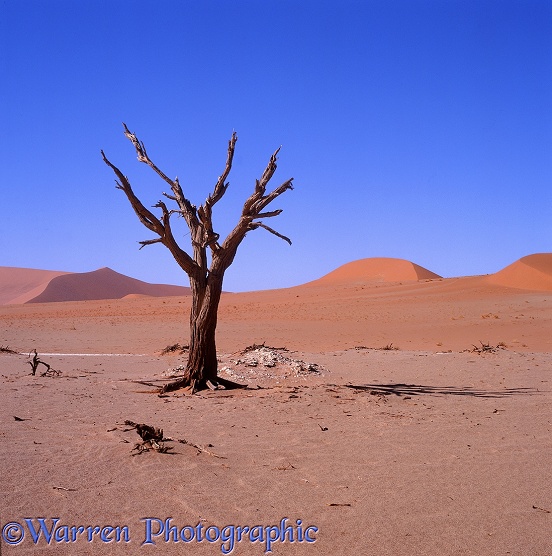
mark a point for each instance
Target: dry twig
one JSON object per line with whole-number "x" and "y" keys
{"x": 486, "y": 348}
{"x": 173, "y": 348}
{"x": 153, "y": 438}
{"x": 35, "y": 361}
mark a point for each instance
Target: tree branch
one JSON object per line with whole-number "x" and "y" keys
{"x": 171, "y": 197}
{"x": 205, "y": 211}
{"x": 188, "y": 210}
{"x": 145, "y": 216}
{"x": 260, "y": 185}
{"x": 149, "y": 242}
{"x": 252, "y": 208}
{"x": 269, "y": 214}
{"x": 255, "y": 225}
{"x": 264, "y": 201}
{"x": 150, "y": 221}
{"x": 143, "y": 155}
{"x": 269, "y": 170}
{"x": 222, "y": 186}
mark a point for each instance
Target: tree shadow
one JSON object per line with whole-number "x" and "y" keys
{"x": 399, "y": 389}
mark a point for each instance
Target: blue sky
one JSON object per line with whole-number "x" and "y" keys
{"x": 414, "y": 129}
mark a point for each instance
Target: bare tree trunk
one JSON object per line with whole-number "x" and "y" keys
{"x": 202, "y": 368}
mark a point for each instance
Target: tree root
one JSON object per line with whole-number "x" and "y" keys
{"x": 198, "y": 385}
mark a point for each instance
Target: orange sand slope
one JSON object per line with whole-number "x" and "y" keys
{"x": 377, "y": 269}
{"x": 19, "y": 285}
{"x": 533, "y": 272}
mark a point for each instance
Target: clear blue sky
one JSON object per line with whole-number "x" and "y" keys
{"x": 414, "y": 129}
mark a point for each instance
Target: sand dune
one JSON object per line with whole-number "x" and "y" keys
{"x": 24, "y": 285}
{"x": 19, "y": 285}
{"x": 533, "y": 272}
{"x": 377, "y": 269}
{"x": 101, "y": 284}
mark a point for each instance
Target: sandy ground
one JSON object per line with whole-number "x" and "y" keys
{"x": 427, "y": 449}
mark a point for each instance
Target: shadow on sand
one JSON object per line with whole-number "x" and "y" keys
{"x": 419, "y": 389}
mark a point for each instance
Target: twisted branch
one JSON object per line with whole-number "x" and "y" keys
{"x": 150, "y": 221}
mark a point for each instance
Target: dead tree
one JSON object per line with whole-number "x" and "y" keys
{"x": 35, "y": 361}
{"x": 205, "y": 279}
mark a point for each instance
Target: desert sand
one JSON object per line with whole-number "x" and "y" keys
{"x": 401, "y": 433}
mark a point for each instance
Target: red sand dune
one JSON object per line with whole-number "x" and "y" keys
{"x": 23, "y": 285}
{"x": 377, "y": 269}
{"x": 101, "y": 284}
{"x": 19, "y": 285}
{"x": 533, "y": 272}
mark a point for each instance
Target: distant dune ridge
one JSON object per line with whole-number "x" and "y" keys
{"x": 24, "y": 285}
{"x": 533, "y": 272}
{"x": 379, "y": 269}
{"x": 21, "y": 285}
